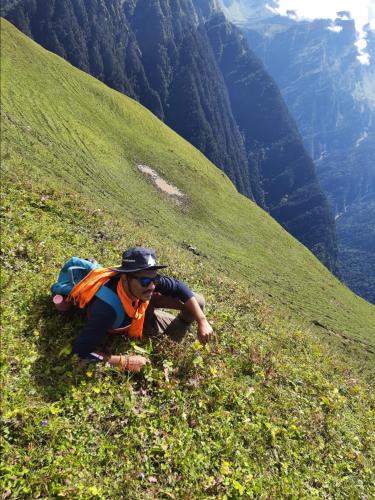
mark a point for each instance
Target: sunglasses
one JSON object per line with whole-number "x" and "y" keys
{"x": 145, "y": 281}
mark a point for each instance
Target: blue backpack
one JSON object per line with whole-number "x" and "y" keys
{"x": 73, "y": 271}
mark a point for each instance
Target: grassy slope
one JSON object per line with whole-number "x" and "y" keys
{"x": 61, "y": 125}
{"x": 273, "y": 409}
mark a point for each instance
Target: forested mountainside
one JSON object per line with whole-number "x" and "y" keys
{"x": 332, "y": 98}
{"x": 276, "y": 155}
{"x": 167, "y": 55}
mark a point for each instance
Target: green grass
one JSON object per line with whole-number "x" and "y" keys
{"x": 276, "y": 407}
{"x": 66, "y": 129}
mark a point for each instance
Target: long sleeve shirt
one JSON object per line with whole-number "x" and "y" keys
{"x": 101, "y": 315}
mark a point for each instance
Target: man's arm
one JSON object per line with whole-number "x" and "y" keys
{"x": 102, "y": 316}
{"x": 191, "y": 308}
{"x": 205, "y": 330}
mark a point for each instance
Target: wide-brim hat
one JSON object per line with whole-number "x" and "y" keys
{"x": 138, "y": 259}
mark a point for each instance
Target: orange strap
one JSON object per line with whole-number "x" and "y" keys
{"x": 136, "y": 311}
{"x": 85, "y": 290}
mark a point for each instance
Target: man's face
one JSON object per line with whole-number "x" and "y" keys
{"x": 134, "y": 281}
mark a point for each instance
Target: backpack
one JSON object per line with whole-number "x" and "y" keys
{"x": 73, "y": 271}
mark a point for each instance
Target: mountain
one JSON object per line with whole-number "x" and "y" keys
{"x": 168, "y": 55}
{"x": 155, "y": 52}
{"x": 280, "y": 402}
{"x": 331, "y": 96}
{"x": 283, "y": 175}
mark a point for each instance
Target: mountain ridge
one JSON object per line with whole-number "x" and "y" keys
{"x": 171, "y": 68}
{"x": 330, "y": 94}
{"x": 289, "y": 189}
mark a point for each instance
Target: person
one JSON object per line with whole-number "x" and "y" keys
{"x": 142, "y": 292}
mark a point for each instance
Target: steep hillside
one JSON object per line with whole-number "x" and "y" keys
{"x": 278, "y": 405}
{"x": 153, "y": 52}
{"x": 283, "y": 175}
{"x": 93, "y": 150}
{"x": 167, "y": 54}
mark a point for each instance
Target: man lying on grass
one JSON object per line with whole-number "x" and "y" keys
{"x": 142, "y": 291}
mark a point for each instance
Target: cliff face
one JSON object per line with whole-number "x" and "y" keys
{"x": 282, "y": 173}
{"x": 332, "y": 98}
{"x": 195, "y": 71}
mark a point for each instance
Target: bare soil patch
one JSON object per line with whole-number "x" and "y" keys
{"x": 161, "y": 183}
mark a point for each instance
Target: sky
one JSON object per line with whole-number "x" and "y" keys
{"x": 362, "y": 11}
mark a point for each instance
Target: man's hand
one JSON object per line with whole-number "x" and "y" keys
{"x": 133, "y": 363}
{"x": 136, "y": 363}
{"x": 205, "y": 331}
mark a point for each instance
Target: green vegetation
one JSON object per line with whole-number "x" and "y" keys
{"x": 193, "y": 69}
{"x": 276, "y": 407}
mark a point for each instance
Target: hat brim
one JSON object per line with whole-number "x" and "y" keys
{"x": 121, "y": 269}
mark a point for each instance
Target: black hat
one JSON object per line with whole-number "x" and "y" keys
{"x": 137, "y": 259}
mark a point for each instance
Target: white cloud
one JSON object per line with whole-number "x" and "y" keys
{"x": 335, "y": 29}
{"x": 361, "y": 44}
{"x": 362, "y": 11}
{"x": 364, "y": 58}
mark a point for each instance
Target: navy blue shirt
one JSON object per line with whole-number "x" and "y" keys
{"x": 102, "y": 315}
